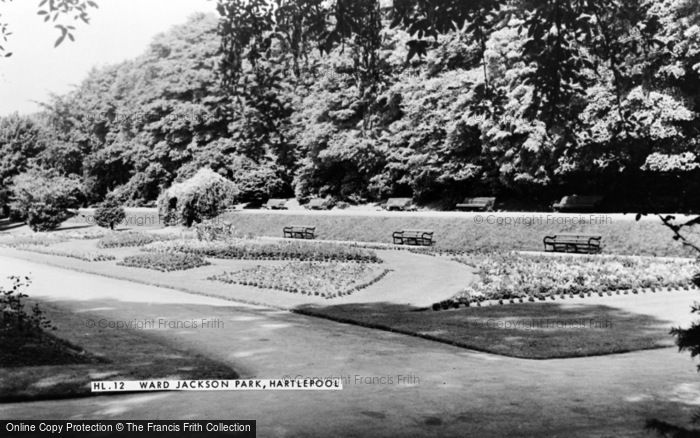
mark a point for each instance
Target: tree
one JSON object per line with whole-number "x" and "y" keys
{"x": 43, "y": 198}
{"x": 204, "y": 196}
{"x": 109, "y": 213}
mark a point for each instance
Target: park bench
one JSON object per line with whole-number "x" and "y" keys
{"x": 299, "y": 232}
{"x": 399, "y": 204}
{"x": 276, "y": 204}
{"x": 574, "y": 243}
{"x": 318, "y": 204}
{"x": 477, "y": 204}
{"x": 577, "y": 203}
{"x": 413, "y": 237}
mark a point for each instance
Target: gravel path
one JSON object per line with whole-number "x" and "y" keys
{"x": 415, "y": 279}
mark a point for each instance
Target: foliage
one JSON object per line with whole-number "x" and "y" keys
{"x": 328, "y": 280}
{"x": 43, "y": 198}
{"x": 267, "y": 250}
{"x": 434, "y": 99}
{"x": 14, "y": 318}
{"x": 62, "y": 14}
{"x": 164, "y": 262}
{"x": 109, "y": 213}
{"x": 204, "y": 196}
{"x": 512, "y": 275}
{"x": 215, "y": 230}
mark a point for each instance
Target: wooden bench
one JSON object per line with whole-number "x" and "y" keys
{"x": 276, "y": 204}
{"x": 299, "y": 232}
{"x": 577, "y": 203}
{"x": 413, "y": 237}
{"x": 317, "y": 204}
{"x": 477, "y": 204}
{"x": 399, "y": 204}
{"x": 574, "y": 243}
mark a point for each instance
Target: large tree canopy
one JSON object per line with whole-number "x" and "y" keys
{"x": 436, "y": 99}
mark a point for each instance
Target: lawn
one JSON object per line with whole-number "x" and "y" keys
{"x": 532, "y": 331}
{"x": 65, "y": 366}
{"x": 491, "y": 231}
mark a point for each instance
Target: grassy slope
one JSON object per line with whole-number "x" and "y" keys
{"x": 592, "y": 330}
{"x": 111, "y": 355}
{"x": 622, "y": 236}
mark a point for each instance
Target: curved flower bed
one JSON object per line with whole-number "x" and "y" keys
{"x": 267, "y": 250}
{"x": 165, "y": 262}
{"x": 329, "y": 280}
{"x": 80, "y": 255}
{"x": 131, "y": 239}
{"x": 515, "y": 276}
{"x": 35, "y": 239}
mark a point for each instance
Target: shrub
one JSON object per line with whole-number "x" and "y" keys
{"x": 214, "y": 229}
{"x": 165, "y": 262}
{"x": 42, "y": 198}
{"x": 13, "y": 315}
{"x": 204, "y": 196}
{"x": 109, "y": 214}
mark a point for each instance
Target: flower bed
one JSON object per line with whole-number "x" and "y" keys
{"x": 267, "y": 250}
{"x": 80, "y": 255}
{"x": 520, "y": 276}
{"x": 329, "y": 280}
{"x": 164, "y": 262}
{"x": 131, "y": 239}
{"x": 39, "y": 239}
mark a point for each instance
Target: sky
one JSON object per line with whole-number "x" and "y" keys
{"x": 118, "y": 30}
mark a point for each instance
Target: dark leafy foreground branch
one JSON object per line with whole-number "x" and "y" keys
{"x": 60, "y": 13}
{"x": 686, "y": 339}
{"x": 668, "y": 221}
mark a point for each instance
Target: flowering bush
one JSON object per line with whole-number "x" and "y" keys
{"x": 165, "y": 262}
{"x": 268, "y": 250}
{"x": 129, "y": 239}
{"x": 512, "y": 275}
{"x": 329, "y": 280}
{"x": 214, "y": 229}
{"x": 80, "y": 255}
{"x": 204, "y": 196}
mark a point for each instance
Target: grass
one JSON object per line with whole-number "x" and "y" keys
{"x": 532, "y": 331}
{"x": 619, "y": 235}
{"x": 164, "y": 262}
{"x": 37, "y": 347}
{"x": 112, "y": 355}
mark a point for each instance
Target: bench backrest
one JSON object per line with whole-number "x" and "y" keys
{"x": 479, "y": 201}
{"x": 399, "y": 202}
{"x": 564, "y": 237}
{"x": 317, "y": 203}
{"x": 276, "y": 202}
{"x": 581, "y": 200}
